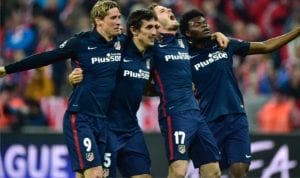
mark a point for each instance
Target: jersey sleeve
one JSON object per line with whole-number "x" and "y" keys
{"x": 64, "y": 51}
{"x": 239, "y": 47}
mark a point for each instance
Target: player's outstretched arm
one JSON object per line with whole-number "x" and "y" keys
{"x": 36, "y": 61}
{"x": 76, "y": 76}
{"x": 63, "y": 52}
{"x": 221, "y": 39}
{"x": 273, "y": 43}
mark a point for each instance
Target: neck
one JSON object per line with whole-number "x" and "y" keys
{"x": 139, "y": 46}
{"x": 201, "y": 43}
{"x": 173, "y": 32}
{"x": 106, "y": 36}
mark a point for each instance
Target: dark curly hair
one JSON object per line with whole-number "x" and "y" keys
{"x": 186, "y": 17}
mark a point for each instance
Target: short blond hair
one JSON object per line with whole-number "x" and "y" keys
{"x": 100, "y": 9}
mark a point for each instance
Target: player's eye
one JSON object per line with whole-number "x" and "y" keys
{"x": 196, "y": 23}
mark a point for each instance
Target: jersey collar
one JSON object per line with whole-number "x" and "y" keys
{"x": 132, "y": 50}
{"x": 99, "y": 37}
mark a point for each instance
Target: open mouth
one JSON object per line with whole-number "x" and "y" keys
{"x": 152, "y": 39}
{"x": 206, "y": 30}
{"x": 172, "y": 17}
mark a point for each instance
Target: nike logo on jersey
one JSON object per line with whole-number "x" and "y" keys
{"x": 125, "y": 60}
{"x": 194, "y": 56}
{"x": 63, "y": 44}
{"x": 162, "y": 46}
{"x": 248, "y": 156}
{"x": 215, "y": 46}
{"x": 91, "y": 48}
{"x": 171, "y": 107}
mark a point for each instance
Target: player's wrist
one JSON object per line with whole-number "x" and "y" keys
{"x": 2, "y": 71}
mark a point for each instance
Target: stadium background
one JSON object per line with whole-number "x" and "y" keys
{"x": 32, "y": 103}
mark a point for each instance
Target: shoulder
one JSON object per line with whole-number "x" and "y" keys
{"x": 80, "y": 37}
{"x": 82, "y": 34}
{"x": 122, "y": 37}
{"x": 238, "y": 46}
{"x": 76, "y": 38}
{"x": 71, "y": 42}
{"x": 236, "y": 41}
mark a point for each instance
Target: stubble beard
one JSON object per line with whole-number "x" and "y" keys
{"x": 174, "y": 27}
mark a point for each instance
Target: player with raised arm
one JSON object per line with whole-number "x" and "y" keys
{"x": 208, "y": 169}
{"x": 127, "y": 149}
{"x": 185, "y": 131}
{"x": 98, "y": 53}
{"x": 220, "y": 99}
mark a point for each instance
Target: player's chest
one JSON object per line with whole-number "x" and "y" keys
{"x": 210, "y": 62}
{"x": 169, "y": 58}
{"x": 95, "y": 54}
{"x": 135, "y": 68}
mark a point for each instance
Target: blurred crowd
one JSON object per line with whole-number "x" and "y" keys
{"x": 38, "y": 97}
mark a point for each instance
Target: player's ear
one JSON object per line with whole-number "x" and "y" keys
{"x": 188, "y": 34}
{"x": 134, "y": 31}
{"x": 98, "y": 21}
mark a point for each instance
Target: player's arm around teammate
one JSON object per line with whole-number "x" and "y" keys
{"x": 185, "y": 133}
{"x": 85, "y": 128}
{"x": 126, "y": 145}
{"x": 195, "y": 27}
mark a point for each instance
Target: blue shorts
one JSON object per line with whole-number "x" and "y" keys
{"x": 187, "y": 136}
{"x": 86, "y": 138}
{"x": 232, "y": 134}
{"x": 127, "y": 152}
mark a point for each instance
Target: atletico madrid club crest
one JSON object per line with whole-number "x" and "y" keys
{"x": 181, "y": 149}
{"x": 148, "y": 63}
{"x": 90, "y": 156}
{"x": 117, "y": 45}
{"x": 105, "y": 172}
{"x": 180, "y": 43}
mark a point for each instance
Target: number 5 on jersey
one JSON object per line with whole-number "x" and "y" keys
{"x": 106, "y": 164}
